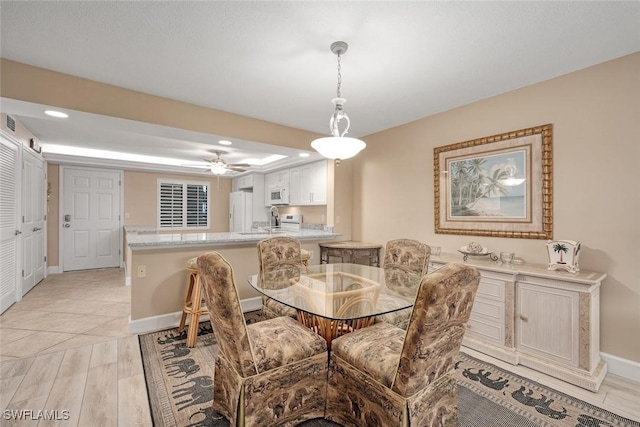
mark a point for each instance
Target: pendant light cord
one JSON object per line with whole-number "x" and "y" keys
{"x": 339, "y": 76}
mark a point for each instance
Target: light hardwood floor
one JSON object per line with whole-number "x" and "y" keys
{"x": 66, "y": 347}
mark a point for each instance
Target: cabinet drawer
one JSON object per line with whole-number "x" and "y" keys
{"x": 491, "y": 289}
{"x": 491, "y": 310}
{"x": 485, "y": 330}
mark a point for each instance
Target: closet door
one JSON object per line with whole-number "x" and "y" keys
{"x": 10, "y": 160}
{"x": 32, "y": 221}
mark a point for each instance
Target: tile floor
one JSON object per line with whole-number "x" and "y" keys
{"x": 65, "y": 311}
{"x": 66, "y": 347}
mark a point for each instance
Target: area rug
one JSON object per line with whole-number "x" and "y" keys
{"x": 180, "y": 387}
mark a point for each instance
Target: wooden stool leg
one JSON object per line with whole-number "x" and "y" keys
{"x": 196, "y": 301}
{"x": 187, "y": 301}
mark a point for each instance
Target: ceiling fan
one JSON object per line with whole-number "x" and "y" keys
{"x": 218, "y": 166}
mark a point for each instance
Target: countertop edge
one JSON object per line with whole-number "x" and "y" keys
{"x": 223, "y": 241}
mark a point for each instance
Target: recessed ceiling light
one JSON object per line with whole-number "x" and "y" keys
{"x": 225, "y": 142}
{"x": 58, "y": 114}
{"x": 303, "y": 154}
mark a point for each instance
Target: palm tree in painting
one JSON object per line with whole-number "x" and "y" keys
{"x": 459, "y": 179}
{"x": 560, "y": 248}
{"x": 476, "y": 176}
{"x": 491, "y": 184}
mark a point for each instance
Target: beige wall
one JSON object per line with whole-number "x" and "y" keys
{"x": 595, "y": 114}
{"x": 53, "y": 215}
{"x": 141, "y": 198}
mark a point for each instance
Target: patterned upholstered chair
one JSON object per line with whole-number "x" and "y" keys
{"x": 280, "y": 260}
{"x": 405, "y": 262}
{"x": 269, "y": 373}
{"x": 384, "y": 376}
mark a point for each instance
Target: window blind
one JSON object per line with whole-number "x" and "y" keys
{"x": 183, "y": 205}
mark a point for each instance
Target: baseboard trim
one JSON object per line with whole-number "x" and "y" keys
{"x": 54, "y": 269}
{"x": 623, "y": 367}
{"x": 171, "y": 320}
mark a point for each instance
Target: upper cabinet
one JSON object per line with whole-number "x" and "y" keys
{"x": 244, "y": 182}
{"x": 309, "y": 184}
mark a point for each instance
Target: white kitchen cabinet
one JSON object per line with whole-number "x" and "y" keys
{"x": 244, "y": 182}
{"x": 295, "y": 190}
{"x": 309, "y": 184}
{"x": 545, "y": 320}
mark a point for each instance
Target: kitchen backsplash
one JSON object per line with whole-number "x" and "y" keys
{"x": 307, "y": 225}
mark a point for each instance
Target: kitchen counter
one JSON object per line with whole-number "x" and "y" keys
{"x": 139, "y": 238}
{"x": 156, "y": 262}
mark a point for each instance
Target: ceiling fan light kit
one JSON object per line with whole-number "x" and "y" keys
{"x": 218, "y": 166}
{"x": 338, "y": 146}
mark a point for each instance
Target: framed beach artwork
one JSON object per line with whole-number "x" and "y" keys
{"x": 498, "y": 186}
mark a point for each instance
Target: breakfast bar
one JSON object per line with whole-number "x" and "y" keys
{"x": 155, "y": 268}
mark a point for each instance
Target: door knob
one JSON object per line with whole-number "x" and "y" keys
{"x": 18, "y": 232}
{"x": 36, "y": 229}
{"x": 67, "y": 225}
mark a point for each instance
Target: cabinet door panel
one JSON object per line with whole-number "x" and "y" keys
{"x": 547, "y": 322}
{"x": 295, "y": 191}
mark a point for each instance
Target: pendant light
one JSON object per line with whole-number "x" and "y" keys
{"x": 338, "y": 146}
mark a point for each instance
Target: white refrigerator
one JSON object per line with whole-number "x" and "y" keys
{"x": 240, "y": 211}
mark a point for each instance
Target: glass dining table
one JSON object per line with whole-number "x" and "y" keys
{"x": 334, "y": 299}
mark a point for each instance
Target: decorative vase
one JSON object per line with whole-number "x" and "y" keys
{"x": 563, "y": 254}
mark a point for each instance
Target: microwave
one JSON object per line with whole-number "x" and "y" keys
{"x": 278, "y": 196}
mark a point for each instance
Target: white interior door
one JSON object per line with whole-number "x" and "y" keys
{"x": 39, "y": 217}
{"x": 90, "y": 219}
{"x": 10, "y": 160}
{"x": 32, "y": 221}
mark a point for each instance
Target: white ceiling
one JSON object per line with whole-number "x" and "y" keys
{"x": 271, "y": 60}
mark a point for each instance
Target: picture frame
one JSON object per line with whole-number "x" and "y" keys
{"x": 496, "y": 186}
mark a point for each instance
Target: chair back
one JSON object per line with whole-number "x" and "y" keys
{"x": 436, "y": 327}
{"x": 407, "y": 254}
{"x": 225, "y": 312}
{"x": 405, "y": 262}
{"x": 279, "y": 260}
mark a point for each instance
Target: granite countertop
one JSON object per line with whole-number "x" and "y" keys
{"x": 141, "y": 237}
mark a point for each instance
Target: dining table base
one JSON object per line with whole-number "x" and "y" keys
{"x": 330, "y": 328}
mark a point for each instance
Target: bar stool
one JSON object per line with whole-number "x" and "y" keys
{"x": 304, "y": 257}
{"x": 193, "y": 305}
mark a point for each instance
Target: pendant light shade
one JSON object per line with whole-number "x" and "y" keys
{"x": 337, "y": 146}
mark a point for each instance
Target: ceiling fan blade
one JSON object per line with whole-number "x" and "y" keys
{"x": 239, "y": 165}
{"x": 236, "y": 169}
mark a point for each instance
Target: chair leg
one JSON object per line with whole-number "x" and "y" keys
{"x": 194, "y": 321}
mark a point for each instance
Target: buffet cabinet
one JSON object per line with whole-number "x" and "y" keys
{"x": 546, "y": 320}
{"x": 350, "y": 252}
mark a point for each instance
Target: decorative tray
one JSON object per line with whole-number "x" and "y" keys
{"x": 484, "y": 252}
